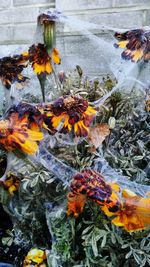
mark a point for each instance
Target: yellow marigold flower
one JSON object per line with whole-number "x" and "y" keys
{"x": 40, "y": 59}
{"x": 136, "y": 44}
{"x": 35, "y": 257}
{"x": 70, "y": 113}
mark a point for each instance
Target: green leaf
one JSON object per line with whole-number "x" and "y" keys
{"x": 128, "y": 254}
{"x": 7, "y": 241}
{"x": 104, "y": 241}
{"x": 94, "y": 246}
{"x": 4, "y": 196}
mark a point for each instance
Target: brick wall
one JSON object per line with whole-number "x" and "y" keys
{"x": 18, "y": 26}
{"x": 115, "y": 13}
{"x": 18, "y": 19}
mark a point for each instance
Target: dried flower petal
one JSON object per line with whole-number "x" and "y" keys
{"x": 98, "y": 134}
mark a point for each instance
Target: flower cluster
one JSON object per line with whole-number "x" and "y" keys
{"x": 69, "y": 113}
{"x": 23, "y": 123}
{"x": 136, "y": 44}
{"x": 127, "y": 209}
{"x": 11, "y": 67}
{"x": 35, "y": 257}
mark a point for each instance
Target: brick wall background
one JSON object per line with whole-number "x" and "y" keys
{"x": 18, "y": 26}
{"x": 18, "y": 19}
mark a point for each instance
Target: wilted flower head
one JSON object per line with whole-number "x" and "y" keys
{"x": 35, "y": 257}
{"x": 136, "y": 44}
{"x": 92, "y": 184}
{"x": 11, "y": 183}
{"x": 31, "y": 112}
{"x": 11, "y": 69}
{"x": 41, "y": 61}
{"x": 49, "y": 16}
{"x": 69, "y": 113}
{"x": 19, "y": 132}
{"x": 61, "y": 76}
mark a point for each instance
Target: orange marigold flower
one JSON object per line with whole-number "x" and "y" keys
{"x": 40, "y": 59}
{"x": 11, "y": 183}
{"x": 70, "y": 113}
{"x": 76, "y": 202}
{"x": 128, "y": 210}
{"x": 18, "y": 132}
{"x": 89, "y": 184}
{"x": 11, "y": 70}
{"x": 35, "y": 257}
{"x": 134, "y": 212}
{"x": 136, "y": 44}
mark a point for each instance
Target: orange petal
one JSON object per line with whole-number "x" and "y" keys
{"x": 55, "y": 56}
{"x": 76, "y": 204}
